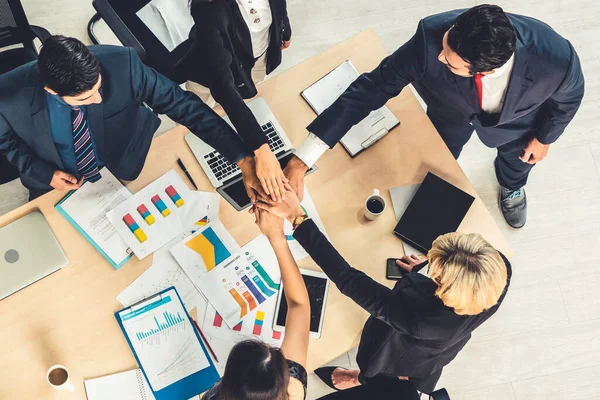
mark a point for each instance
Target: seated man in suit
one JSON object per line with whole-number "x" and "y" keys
{"x": 511, "y": 78}
{"x": 79, "y": 109}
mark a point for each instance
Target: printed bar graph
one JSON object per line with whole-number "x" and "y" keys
{"x": 218, "y": 321}
{"x": 160, "y": 206}
{"x": 134, "y": 228}
{"x": 276, "y": 335}
{"x": 175, "y": 197}
{"x": 238, "y": 327}
{"x": 261, "y": 285}
{"x": 258, "y": 323}
{"x": 243, "y": 307}
{"x": 170, "y": 321}
{"x": 259, "y": 297}
{"x": 263, "y": 274}
{"x": 146, "y": 214}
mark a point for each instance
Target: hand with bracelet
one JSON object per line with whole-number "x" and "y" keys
{"x": 289, "y": 208}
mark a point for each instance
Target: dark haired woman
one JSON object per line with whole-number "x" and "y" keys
{"x": 235, "y": 44}
{"x": 255, "y": 370}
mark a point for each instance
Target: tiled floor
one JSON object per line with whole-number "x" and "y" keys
{"x": 543, "y": 343}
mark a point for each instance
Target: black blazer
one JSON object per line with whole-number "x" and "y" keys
{"x": 410, "y": 332}
{"x": 544, "y": 91}
{"x": 221, "y": 59}
{"x": 122, "y": 126}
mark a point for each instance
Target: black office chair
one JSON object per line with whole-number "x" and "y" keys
{"x": 121, "y": 18}
{"x": 15, "y": 30}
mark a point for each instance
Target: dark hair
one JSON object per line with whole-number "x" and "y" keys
{"x": 484, "y": 37}
{"x": 255, "y": 371}
{"x": 67, "y": 66}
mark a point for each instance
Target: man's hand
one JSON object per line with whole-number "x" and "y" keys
{"x": 407, "y": 263}
{"x": 251, "y": 182}
{"x": 63, "y": 181}
{"x": 295, "y": 171}
{"x": 285, "y": 44}
{"x": 534, "y": 152}
{"x": 268, "y": 171}
{"x": 289, "y": 208}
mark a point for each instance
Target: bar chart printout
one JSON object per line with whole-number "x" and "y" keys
{"x": 164, "y": 340}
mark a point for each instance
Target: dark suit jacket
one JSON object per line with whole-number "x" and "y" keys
{"x": 544, "y": 92}
{"x": 410, "y": 332}
{"x": 378, "y": 388}
{"x": 122, "y": 126}
{"x": 221, "y": 58}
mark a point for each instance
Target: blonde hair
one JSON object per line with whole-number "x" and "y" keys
{"x": 470, "y": 273}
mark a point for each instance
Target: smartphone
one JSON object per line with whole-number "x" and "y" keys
{"x": 393, "y": 271}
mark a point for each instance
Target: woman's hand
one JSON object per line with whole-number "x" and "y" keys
{"x": 268, "y": 171}
{"x": 270, "y": 225}
{"x": 407, "y": 263}
{"x": 251, "y": 183}
{"x": 289, "y": 208}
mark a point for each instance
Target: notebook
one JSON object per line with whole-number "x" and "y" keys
{"x": 129, "y": 385}
{"x": 437, "y": 208}
{"x": 326, "y": 90}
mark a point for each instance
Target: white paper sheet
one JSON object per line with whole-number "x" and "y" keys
{"x": 128, "y": 385}
{"x": 169, "y": 20}
{"x": 88, "y": 206}
{"x": 165, "y": 228}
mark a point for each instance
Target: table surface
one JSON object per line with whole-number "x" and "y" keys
{"x": 67, "y": 318}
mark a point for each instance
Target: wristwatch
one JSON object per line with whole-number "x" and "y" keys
{"x": 298, "y": 220}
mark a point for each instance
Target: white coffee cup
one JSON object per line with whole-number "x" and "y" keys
{"x": 58, "y": 377}
{"x": 375, "y": 205}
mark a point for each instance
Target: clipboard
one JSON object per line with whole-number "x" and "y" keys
{"x": 167, "y": 347}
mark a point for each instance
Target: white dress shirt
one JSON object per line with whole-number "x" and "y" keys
{"x": 494, "y": 90}
{"x": 258, "y": 17}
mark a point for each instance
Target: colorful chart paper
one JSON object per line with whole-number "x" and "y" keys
{"x": 134, "y": 228}
{"x": 158, "y": 217}
{"x": 175, "y": 197}
{"x": 235, "y": 285}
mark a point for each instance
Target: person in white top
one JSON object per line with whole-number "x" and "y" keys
{"x": 510, "y": 78}
{"x": 235, "y": 44}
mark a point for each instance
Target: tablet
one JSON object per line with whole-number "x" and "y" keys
{"x": 317, "y": 285}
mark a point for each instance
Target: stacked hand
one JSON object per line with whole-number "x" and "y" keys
{"x": 269, "y": 173}
{"x": 270, "y": 215}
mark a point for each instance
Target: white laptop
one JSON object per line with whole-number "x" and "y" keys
{"x": 227, "y": 177}
{"x": 328, "y": 89}
{"x": 29, "y": 251}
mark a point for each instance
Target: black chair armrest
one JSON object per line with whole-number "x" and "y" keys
{"x": 40, "y": 32}
{"x": 116, "y": 24}
{"x": 441, "y": 394}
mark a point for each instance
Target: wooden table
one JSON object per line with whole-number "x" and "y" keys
{"x": 67, "y": 318}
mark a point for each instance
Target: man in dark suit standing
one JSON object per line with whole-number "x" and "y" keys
{"x": 511, "y": 78}
{"x": 79, "y": 109}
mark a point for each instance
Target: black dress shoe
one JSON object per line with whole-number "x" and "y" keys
{"x": 513, "y": 204}
{"x": 325, "y": 374}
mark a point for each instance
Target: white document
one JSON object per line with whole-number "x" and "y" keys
{"x": 129, "y": 385}
{"x": 309, "y": 208}
{"x": 169, "y": 20}
{"x": 326, "y": 91}
{"x": 401, "y": 197}
{"x": 172, "y": 206}
{"x": 88, "y": 206}
{"x": 164, "y": 340}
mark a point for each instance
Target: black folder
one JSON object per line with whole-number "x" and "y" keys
{"x": 437, "y": 208}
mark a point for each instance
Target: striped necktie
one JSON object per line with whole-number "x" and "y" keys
{"x": 84, "y": 150}
{"x": 479, "y": 87}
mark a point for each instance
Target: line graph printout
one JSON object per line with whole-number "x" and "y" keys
{"x": 164, "y": 340}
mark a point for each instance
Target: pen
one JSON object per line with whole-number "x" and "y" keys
{"x": 206, "y": 341}
{"x": 185, "y": 171}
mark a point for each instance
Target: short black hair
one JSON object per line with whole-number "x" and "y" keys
{"x": 484, "y": 37}
{"x": 254, "y": 371}
{"x": 67, "y": 66}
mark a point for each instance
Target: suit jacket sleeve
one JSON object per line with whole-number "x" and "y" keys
{"x": 372, "y": 90}
{"x": 563, "y": 104}
{"x": 165, "y": 97}
{"x": 18, "y": 153}
{"x": 378, "y": 300}
{"x": 212, "y": 68}
{"x": 286, "y": 34}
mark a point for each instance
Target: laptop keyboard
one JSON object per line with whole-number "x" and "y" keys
{"x": 223, "y": 169}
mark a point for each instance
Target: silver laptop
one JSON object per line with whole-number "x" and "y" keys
{"x": 29, "y": 251}
{"x": 221, "y": 171}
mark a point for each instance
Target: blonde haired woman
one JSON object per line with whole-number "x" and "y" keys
{"x": 420, "y": 325}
